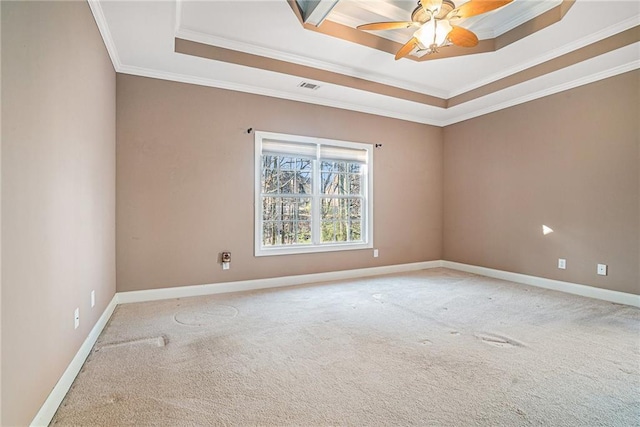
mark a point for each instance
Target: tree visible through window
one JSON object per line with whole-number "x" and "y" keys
{"x": 286, "y": 201}
{"x": 341, "y": 212}
{"x": 313, "y": 194}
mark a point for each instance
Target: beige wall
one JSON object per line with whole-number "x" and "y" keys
{"x": 185, "y": 184}
{"x": 185, "y": 188}
{"x": 570, "y": 161}
{"x": 58, "y": 194}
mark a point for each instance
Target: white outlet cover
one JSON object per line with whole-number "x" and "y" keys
{"x": 93, "y": 298}
{"x": 602, "y": 269}
{"x": 562, "y": 263}
{"x": 375, "y": 253}
{"x": 76, "y": 318}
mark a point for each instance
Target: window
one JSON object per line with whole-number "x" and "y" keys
{"x": 312, "y": 195}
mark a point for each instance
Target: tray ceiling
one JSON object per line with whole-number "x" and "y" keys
{"x": 262, "y": 47}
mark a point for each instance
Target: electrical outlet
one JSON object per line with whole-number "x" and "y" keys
{"x": 375, "y": 253}
{"x": 602, "y": 269}
{"x": 76, "y": 318}
{"x": 562, "y": 263}
{"x": 225, "y": 257}
{"x": 93, "y": 299}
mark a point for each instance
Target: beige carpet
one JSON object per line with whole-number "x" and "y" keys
{"x": 434, "y": 347}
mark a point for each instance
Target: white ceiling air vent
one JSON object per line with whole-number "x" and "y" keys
{"x": 308, "y": 85}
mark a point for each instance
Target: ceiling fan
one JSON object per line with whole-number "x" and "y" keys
{"x": 432, "y": 18}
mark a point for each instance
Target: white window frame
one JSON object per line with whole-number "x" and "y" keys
{"x": 367, "y": 192}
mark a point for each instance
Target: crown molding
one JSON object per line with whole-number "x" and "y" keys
{"x": 349, "y": 21}
{"x": 549, "y": 55}
{"x": 145, "y": 72}
{"x": 525, "y": 16}
{"x": 178, "y": 17}
{"x": 256, "y": 90}
{"x": 253, "y": 49}
{"x": 390, "y": 10}
{"x": 601, "y": 75}
{"x": 449, "y": 116}
{"x": 101, "y": 22}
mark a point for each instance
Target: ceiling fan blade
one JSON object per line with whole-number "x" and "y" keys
{"x": 462, "y": 37}
{"x": 432, "y": 5}
{"x": 477, "y": 7}
{"x": 407, "y": 48}
{"x": 386, "y": 25}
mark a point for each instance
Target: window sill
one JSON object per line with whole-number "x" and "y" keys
{"x": 279, "y": 250}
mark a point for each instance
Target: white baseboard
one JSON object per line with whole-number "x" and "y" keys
{"x": 50, "y": 406}
{"x": 275, "y": 282}
{"x": 556, "y": 285}
{"x": 58, "y": 393}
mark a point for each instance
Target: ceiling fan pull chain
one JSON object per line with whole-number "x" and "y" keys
{"x": 434, "y": 45}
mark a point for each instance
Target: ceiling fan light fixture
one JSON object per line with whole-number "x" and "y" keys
{"x": 433, "y": 34}
{"x": 435, "y": 31}
{"x": 443, "y": 28}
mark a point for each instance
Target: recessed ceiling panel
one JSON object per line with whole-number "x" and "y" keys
{"x": 141, "y": 38}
